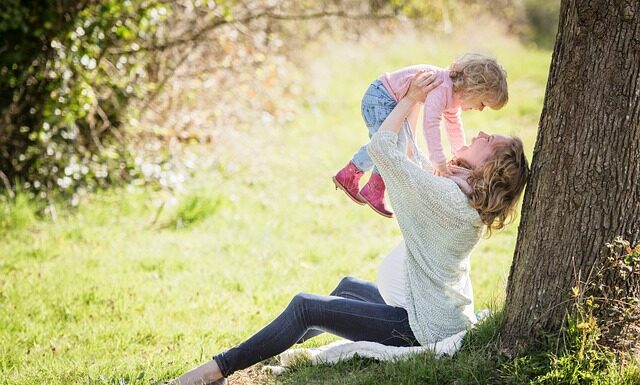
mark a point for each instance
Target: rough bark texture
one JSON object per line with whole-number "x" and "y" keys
{"x": 584, "y": 187}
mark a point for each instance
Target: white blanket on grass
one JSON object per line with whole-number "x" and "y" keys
{"x": 345, "y": 350}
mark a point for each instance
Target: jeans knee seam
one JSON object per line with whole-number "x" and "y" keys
{"x": 347, "y": 292}
{"x": 363, "y": 316}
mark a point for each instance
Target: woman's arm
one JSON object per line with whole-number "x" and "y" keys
{"x": 413, "y": 125}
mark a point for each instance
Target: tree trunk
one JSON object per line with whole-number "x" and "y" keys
{"x": 584, "y": 186}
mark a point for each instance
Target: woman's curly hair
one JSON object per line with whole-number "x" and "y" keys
{"x": 497, "y": 184}
{"x": 480, "y": 77}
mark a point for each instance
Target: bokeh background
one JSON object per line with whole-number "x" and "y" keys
{"x": 165, "y": 167}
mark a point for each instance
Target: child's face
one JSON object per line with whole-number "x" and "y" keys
{"x": 472, "y": 104}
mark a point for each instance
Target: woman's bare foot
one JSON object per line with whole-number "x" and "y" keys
{"x": 204, "y": 374}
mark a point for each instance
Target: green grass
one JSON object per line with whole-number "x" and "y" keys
{"x": 120, "y": 291}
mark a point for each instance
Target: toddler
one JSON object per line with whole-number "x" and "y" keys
{"x": 472, "y": 82}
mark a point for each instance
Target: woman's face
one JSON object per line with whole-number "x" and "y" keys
{"x": 481, "y": 148}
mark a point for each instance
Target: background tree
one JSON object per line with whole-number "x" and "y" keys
{"x": 584, "y": 188}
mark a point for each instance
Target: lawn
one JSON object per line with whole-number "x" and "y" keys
{"x": 108, "y": 293}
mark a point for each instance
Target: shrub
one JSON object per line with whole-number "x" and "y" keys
{"x": 68, "y": 73}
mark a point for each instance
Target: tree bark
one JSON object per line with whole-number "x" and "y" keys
{"x": 584, "y": 186}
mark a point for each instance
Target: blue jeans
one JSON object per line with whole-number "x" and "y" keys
{"x": 377, "y": 104}
{"x": 354, "y": 310}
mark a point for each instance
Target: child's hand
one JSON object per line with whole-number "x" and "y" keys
{"x": 421, "y": 84}
{"x": 442, "y": 170}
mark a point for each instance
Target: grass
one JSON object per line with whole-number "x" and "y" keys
{"x": 121, "y": 291}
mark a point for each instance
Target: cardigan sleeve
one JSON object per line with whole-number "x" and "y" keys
{"x": 402, "y": 177}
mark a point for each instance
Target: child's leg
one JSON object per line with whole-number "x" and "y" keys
{"x": 376, "y": 106}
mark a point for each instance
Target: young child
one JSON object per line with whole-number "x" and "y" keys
{"x": 472, "y": 82}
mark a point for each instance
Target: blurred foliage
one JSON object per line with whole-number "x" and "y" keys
{"x": 78, "y": 77}
{"x": 97, "y": 92}
{"x": 193, "y": 209}
{"x": 63, "y": 89}
{"x": 534, "y": 21}
{"x": 541, "y": 22}
{"x": 17, "y": 214}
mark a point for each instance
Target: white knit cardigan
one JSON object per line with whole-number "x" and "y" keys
{"x": 439, "y": 228}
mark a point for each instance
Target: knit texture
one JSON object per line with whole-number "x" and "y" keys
{"x": 439, "y": 228}
{"x": 343, "y": 350}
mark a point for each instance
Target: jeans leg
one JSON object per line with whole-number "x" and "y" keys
{"x": 352, "y": 288}
{"x": 376, "y": 106}
{"x": 362, "y": 160}
{"x": 358, "y": 289}
{"x": 351, "y": 319}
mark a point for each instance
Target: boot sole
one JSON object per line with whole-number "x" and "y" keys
{"x": 375, "y": 209}
{"x": 339, "y": 186}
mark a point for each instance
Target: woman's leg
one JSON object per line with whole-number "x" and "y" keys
{"x": 358, "y": 289}
{"x": 348, "y": 318}
{"x": 349, "y": 287}
{"x": 352, "y": 288}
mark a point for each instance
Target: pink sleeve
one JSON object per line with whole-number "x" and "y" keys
{"x": 433, "y": 108}
{"x": 455, "y": 132}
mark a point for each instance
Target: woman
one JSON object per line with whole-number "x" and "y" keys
{"x": 425, "y": 292}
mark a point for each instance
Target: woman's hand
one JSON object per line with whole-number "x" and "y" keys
{"x": 442, "y": 170}
{"x": 421, "y": 84}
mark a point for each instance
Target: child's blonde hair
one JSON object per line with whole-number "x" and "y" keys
{"x": 479, "y": 76}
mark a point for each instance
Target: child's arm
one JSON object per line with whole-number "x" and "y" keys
{"x": 455, "y": 131}
{"x": 433, "y": 108}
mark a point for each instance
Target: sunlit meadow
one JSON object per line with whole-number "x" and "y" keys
{"x": 136, "y": 286}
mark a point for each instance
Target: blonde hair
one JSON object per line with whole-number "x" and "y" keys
{"x": 481, "y": 77}
{"x": 497, "y": 184}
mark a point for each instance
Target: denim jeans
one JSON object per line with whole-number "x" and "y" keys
{"x": 354, "y": 310}
{"x": 377, "y": 104}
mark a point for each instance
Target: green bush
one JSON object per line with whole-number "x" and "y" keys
{"x": 542, "y": 21}
{"x": 67, "y": 74}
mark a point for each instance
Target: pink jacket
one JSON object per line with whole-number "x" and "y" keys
{"x": 439, "y": 103}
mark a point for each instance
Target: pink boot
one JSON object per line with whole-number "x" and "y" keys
{"x": 348, "y": 180}
{"x": 373, "y": 194}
